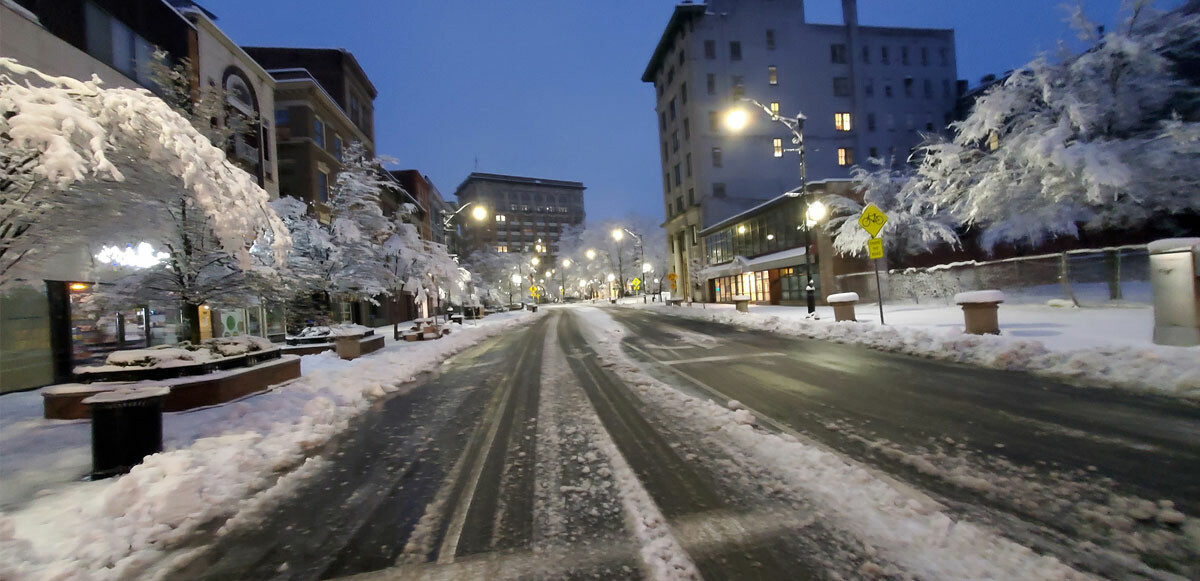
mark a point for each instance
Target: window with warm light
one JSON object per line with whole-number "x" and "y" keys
{"x": 841, "y": 121}
{"x": 845, "y": 156}
{"x": 501, "y": 218}
{"x": 774, "y": 107}
{"x": 773, "y": 75}
{"x": 777, "y": 147}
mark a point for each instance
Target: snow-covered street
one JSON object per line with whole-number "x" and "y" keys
{"x": 619, "y": 443}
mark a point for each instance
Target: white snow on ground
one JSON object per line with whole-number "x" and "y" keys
{"x": 1096, "y": 347}
{"x": 902, "y": 525}
{"x": 663, "y": 557}
{"x": 215, "y": 458}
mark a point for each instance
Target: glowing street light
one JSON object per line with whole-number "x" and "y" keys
{"x": 591, "y": 254}
{"x": 736, "y": 119}
{"x": 479, "y": 213}
{"x": 535, "y": 261}
{"x": 612, "y": 277}
{"x": 566, "y": 262}
{"x": 816, "y": 212}
{"x": 647, "y": 268}
{"x": 617, "y": 234}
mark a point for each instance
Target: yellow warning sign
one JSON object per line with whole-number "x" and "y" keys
{"x": 875, "y": 248}
{"x": 872, "y": 220}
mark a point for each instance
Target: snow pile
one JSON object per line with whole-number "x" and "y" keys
{"x": 842, "y": 298}
{"x": 900, "y": 524}
{"x": 343, "y": 330}
{"x": 113, "y": 529}
{"x": 979, "y": 297}
{"x": 1173, "y": 245}
{"x": 1167, "y": 370}
{"x": 182, "y": 354}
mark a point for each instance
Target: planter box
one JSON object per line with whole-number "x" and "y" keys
{"x": 65, "y": 402}
{"x": 163, "y": 373}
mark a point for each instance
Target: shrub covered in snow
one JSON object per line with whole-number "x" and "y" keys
{"x": 186, "y": 353}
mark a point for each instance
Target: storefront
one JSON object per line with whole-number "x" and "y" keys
{"x": 774, "y": 286}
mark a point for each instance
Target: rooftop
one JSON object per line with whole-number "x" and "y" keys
{"x": 492, "y": 177}
{"x": 682, "y": 13}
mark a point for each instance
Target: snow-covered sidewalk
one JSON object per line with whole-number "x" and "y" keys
{"x": 56, "y": 526}
{"x": 1098, "y": 347}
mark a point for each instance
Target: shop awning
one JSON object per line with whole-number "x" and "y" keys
{"x": 741, "y": 264}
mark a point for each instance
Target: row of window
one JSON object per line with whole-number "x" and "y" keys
{"x": 519, "y": 248}
{"x": 838, "y": 54}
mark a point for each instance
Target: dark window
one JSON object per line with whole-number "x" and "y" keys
{"x": 942, "y": 52}
{"x": 675, "y": 141}
{"x": 929, "y": 126}
{"x": 837, "y": 53}
{"x": 718, "y": 190}
{"x": 322, "y": 186}
{"x": 664, "y": 152}
{"x": 869, "y": 87}
{"x": 667, "y": 187}
{"x": 927, "y": 85}
{"x": 681, "y": 57}
{"x": 691, "y": 197}
{"x": 710, "y": 49}
{"x": 904, "y": 55}
{"x": 688, "y": 164}
{"x": 739, "y": 87}
{"x": 735, "y": 50}
{"x": 841, "y": 86}
{"x": 925, "y": 55}
{"x": 887, "y": 91}
{"x": 870, "y": 122}
{"x": 874, "y": 152}
{"x": 687, "y": 130}
{"x": 678, "y": 176}
{"x": 770, "y": 39}
{"x": 670, "y": 75}
{"x": 908, "y": 87}
{"x": 883, "y": 55}
{"x": 662, "y": 120}
{"x": 711, "y": 82}
{"x": 679, "y": 204}
{"x": 866, "y": 54}
{"x": 712, "y": 121}
{"x": 671, "y": 108}
{"x": 683, "y": 93}
{"x": 716, "y": 157}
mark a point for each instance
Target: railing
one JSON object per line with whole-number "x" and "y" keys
{"x": 1087, "y": 277}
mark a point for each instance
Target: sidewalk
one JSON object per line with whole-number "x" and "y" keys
{"x": 214, "y": 458}
{"x": 1097, "y": 347}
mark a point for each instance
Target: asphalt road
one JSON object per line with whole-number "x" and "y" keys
{"x": 495, "y": 467}
{"x": 527, "y": 456}
{"x": 1064, "y": 469}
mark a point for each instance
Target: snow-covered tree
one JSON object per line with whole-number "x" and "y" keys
{"x": 620, "y": 257}
{"x": 493, "y": 274}
{"x": 913, "y": 225}
{"x": 81, "y": 163}
{"x": 1107, "y": 138}
{"x": 359, "y": 227}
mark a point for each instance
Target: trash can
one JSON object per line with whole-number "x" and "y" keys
{"x": 843, "y": 306}
{"x": 980, "y": 311}
{"x": 456, "y": 319}
{"x": 533, "y": 308}
{"x": 126, "y": 427}
{"x": 1174, "y": 267}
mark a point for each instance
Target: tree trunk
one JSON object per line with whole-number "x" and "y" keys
{"x": 191, "y": 317}
{"x": 1064, "y": 278}
{"x": 1113, "y": 257}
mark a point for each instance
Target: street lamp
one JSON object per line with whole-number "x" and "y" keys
{"x": 514, "y": 279}
{"x": 617, "y": 235}
{"x": 591, "y": 254}
{"x": 736, "y": 120}
{"x": 535, "y": 261}
{"x": 562, "y": 278}
{"x": 479, "y": 214}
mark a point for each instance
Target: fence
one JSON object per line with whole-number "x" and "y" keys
{"x": 1090, "y": 277}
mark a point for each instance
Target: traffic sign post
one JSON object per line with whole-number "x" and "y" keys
{"x": 872, "y": 220}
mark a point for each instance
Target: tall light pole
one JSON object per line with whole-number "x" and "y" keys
{"x": 641, "y": 258}
{"x": 618, "y": 234}
{"x": 480, "y": 213}
{"x": 562, "y": 278}
{"x": 736, "y": 120}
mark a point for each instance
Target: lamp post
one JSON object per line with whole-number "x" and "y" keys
{"x": 562, "y": 278}
{"x": 736, "y": 119}
{"x": 618, "y": 234}
{"x": 480, "y": 213}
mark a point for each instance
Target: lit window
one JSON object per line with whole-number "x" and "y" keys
{"x": 841, "y": 121}
{"x": 773, "y": 75}
{"x": 845, "y": 156}
{"x": 501, "y": 218}
{"x": 774, "y": 107}
{"x": 777, "y": 146}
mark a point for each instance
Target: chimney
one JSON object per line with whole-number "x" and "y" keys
{"x": 850, "y": 12}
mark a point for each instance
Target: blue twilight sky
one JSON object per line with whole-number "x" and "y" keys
{"x": 551, "y": 88}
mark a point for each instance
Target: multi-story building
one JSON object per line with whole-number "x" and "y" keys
{"x": 323, "y": 102}
{"x": 521, "y": 212}
{"x": 866, "y": 92}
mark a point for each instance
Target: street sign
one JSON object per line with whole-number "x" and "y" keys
{"x": 636, "y": 284}
{"x": 875, "y": 248}
{"x": 671, "y": 277}
{"x": 872, "y": 220}
{"x": 533, "y": 292}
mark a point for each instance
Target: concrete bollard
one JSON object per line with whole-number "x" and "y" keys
{"x": 348, "y": 347}
{"x": 843, "y": 306}
{"x": 1175, "y": 275}
{"x": 980, "y": 311}
{"x": 742, "y": 303}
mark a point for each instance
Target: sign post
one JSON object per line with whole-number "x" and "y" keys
{"x": 872, "y": 220}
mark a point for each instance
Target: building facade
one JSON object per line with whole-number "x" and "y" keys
{"x": 522, "y": 212}
{"x": 866, "y": 92}
{"x": 323, "y": 102}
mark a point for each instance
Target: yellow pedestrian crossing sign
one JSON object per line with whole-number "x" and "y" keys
{"x": 872, "y": 220}
{"x": 636, "y": 284}
{"x": 875, "y": 247}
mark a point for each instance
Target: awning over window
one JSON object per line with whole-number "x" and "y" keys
{"x": 740, "y": 264}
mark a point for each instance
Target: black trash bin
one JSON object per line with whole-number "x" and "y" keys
{"x": 126, "y": 427}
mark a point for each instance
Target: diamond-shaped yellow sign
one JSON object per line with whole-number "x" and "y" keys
{"x": 872, "y": 220}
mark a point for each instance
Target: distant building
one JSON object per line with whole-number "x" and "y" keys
{"x": 522, "y": 212}
{"x": 323, "y": 101}
{"x": 866, "y": 92}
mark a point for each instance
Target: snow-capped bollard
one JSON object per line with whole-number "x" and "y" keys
{"x": 980, "y": 311}
{"x": 1175, "y": 276}
{"x": 843, "y": 306}
{"x": 742, "y": 303}
{"x": 348, "y": 346}
{"x": 126, "y": 427}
